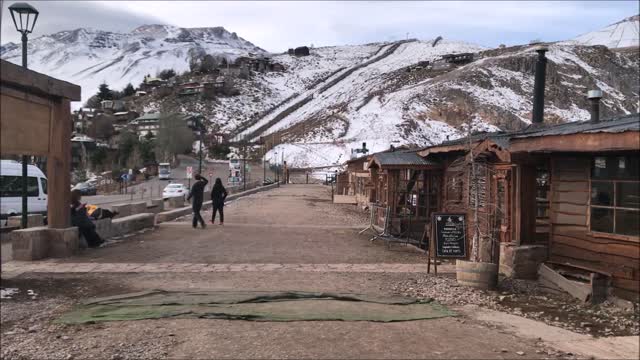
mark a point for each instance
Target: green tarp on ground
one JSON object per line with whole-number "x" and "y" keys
{"x": 254, "y": 306}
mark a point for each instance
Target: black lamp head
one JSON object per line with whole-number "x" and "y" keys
{"x": 27, "y": 16}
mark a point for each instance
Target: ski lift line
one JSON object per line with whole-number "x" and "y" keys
{"x": 390, "y": 49}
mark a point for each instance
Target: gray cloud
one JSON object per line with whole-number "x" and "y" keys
{"x": 68, "y": 15}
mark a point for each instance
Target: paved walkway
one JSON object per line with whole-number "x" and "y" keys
{"x": 290, "y": 238}
{"x": 16, "y": 267}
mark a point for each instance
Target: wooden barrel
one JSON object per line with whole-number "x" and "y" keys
{"x": 477, "y": 274}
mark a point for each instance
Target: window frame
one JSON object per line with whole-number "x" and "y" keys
{"x": 613, "y": 207}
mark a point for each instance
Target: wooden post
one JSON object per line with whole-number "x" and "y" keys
{"x": 59, "y": 167}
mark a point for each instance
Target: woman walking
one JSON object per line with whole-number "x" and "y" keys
{"x": 218, "y": 195}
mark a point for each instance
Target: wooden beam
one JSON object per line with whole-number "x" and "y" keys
{"x": 16, "y": 76}
{"x": 444, "y": 149}
{"x": 59, "y": 167}
{"x": 578, "y": 290}
{"x": 582, "y": 142}
{"x": 24, "y": 123}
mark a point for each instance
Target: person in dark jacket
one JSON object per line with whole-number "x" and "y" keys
{"x": 197, "y": 193}
{"x": 218, "y": 195}
{"x": 81, "y": 220}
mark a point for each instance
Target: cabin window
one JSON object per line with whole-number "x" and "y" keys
{"x": 615, "y": 195}
{"x": 542, "y": 192}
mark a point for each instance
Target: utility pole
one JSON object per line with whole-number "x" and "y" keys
{"x": 264, "y": 163}
{"x": 244, "y": 167}
{"x": 201, "y": 126}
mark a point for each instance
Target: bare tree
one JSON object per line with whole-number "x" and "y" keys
{"x": 174, "y": 137}
{"x": 101, "y": 127}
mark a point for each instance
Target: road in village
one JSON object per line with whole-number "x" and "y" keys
{"x": 289, "y": 238}
{"x": 152, "y": 188}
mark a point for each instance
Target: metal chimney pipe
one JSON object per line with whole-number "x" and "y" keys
{"x": 538, "y": 86}
{"x": 594, "y": 97}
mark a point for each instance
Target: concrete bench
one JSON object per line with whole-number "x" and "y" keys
{"x": 158, "y": 203}
{"x": 132, "y": 223}
{"x": 173, "y": 214}
{"x": 122, "y": 209}
{"x": 42, "y": 242}
{"x": 138, "y": 208}
{"x": 176, "y": 202}
{"x": 33, "y": 220}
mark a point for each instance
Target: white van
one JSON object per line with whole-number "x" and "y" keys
{"x": 164, "y": 171}
{"x": 11, "y": 189}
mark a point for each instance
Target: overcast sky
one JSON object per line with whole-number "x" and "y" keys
{"x": 276, "y": 26}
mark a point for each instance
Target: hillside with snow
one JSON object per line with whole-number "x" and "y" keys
{"x": 323, "y": 105}
{"x": 330, "y": 102}
{"x": 624, "y": 33}
{"x": 393, "y": 101}
{"x": 90, "y": 57}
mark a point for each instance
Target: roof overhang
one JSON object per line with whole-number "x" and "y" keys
{"x": 581, "y": 142}
{"x": 477, "y": 147}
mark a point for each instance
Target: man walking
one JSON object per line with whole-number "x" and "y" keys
{"x": 197, "y": 193}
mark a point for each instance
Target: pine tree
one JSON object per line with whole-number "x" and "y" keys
{"x": 129, "y": 90}
{"x": 104, "y": 93}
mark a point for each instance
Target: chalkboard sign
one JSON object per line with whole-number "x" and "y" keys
{"x": 450, "y": 235}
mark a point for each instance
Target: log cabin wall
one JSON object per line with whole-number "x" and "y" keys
{"x": 572, "y": 238}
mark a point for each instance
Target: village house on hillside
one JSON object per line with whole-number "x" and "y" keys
{"x": 149, "y": 123}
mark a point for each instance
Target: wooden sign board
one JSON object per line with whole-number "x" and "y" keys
{"x": 450, "y": 235}
{"x": 25, "y": 124}
{"x": 448, "y": 238}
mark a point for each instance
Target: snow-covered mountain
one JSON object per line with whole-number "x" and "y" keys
{"x": 624, "y": 33}
{"x": 395, "y": 101}
{"x": 323, "y": 105}
{"x": 383, "y": 94}
{"x": 89, "y": 57}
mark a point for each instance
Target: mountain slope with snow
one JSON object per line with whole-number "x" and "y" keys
{"x": 395, "y": 102}
{"x": 624, "y": 33}
{"x": 89, "y": 57}
{"x": 323, "y": 105}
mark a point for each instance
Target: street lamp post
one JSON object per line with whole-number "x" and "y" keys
{"x": 201, "y": 127}
{"x": 275, "y": 156}
{"x": 27, "y": 16}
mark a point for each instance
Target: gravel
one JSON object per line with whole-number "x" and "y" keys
{"x": 531, "y": 300}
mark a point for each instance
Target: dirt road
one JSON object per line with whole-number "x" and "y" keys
{"x": 291, "y": 238}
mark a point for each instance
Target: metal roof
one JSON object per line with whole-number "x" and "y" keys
{"x": 403, "y": 158}
{"x": 614, "y": 125}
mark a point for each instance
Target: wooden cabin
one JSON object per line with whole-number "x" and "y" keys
{"x": 403, "y": 184}
{"x": 356, "y": 181}
{"x": 566, "y": 194}
{"x": 594, "y": 196}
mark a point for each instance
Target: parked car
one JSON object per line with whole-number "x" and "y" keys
{"x": 175, "y": 190}
{"x": 11, "y": 189}
{"x": 86, "y": 188}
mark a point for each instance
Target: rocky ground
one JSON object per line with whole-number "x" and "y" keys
{"x": 531, "y": 300}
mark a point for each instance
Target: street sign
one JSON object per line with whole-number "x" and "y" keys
{"x": 189, "y": 172}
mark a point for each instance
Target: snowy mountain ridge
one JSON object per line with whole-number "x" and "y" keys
{"x": 89, "y": 57}
{"x": 323, "y": 105}
{"x": 624, "y": 33}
